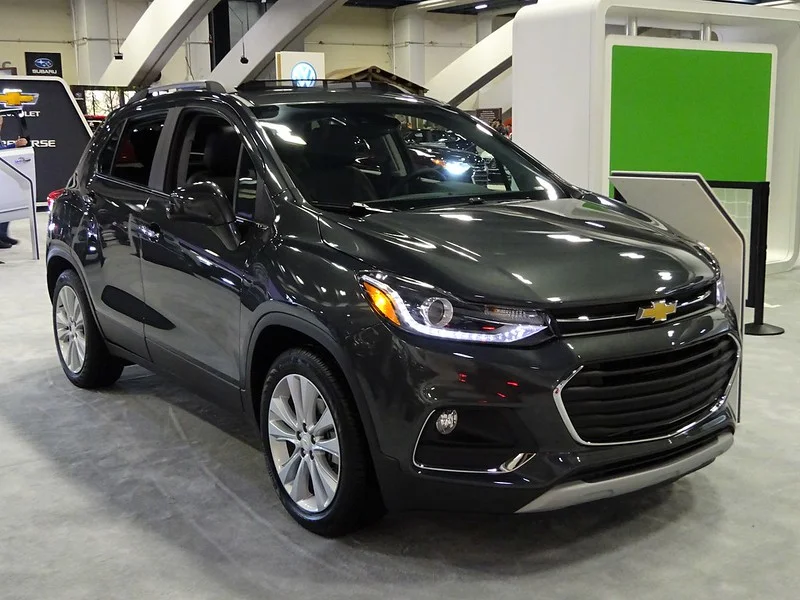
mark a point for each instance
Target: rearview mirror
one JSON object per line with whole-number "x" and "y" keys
{"x": 203, "y": 202}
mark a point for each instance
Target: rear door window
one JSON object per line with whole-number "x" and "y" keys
{"x": 136, "y": 149}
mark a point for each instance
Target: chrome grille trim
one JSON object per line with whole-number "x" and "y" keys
{"x": 684, "y": 304}
{"x": 562, "y": 409}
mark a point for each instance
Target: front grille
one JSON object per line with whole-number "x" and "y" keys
{"x": 480, "y": 175}
{"x": 612, "y": 317}
{"x": 649, "y": 396}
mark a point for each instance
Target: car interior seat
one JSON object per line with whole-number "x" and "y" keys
{"x": 332, "y": 179}
{"x": 220, "y": 160}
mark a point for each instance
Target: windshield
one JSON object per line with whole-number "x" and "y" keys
{"x": 398, "y": 155}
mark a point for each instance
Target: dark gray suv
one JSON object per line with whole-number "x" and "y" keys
{"x": 402, "y": 339}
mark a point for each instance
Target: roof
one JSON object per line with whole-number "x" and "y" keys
{"x": 279, "y": 92}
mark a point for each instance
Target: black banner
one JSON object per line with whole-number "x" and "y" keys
{"x": 57, "y": 130}
{"x": 43, "y": 63}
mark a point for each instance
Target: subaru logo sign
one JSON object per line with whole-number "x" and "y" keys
{"x": 304, "y": 74}
{"x": 43, "y": 63}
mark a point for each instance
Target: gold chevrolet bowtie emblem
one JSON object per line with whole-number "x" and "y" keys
{"x": 11, "y": 98}
{"x": 658, "y": 311}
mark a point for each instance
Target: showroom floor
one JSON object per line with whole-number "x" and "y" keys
{"x": 131, "y": 493}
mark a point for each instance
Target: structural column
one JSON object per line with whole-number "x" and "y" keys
{"x": 93, "y": 44}
{"x": 409, "y": 46}
{"x": 485, "y": 25}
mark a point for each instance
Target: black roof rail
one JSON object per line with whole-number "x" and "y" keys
{"x": 187, "y": 86}
{"x": 258, "y": 85}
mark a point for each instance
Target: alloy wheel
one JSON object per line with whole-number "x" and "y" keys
{"x": 304, "y": 443}
{"x": 70, "y": 329}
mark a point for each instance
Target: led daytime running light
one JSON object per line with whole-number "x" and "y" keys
{"x": 505, "y": 334}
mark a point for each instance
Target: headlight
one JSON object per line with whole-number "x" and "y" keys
{"x": 420, "y": 308}
{"x": 456, "y": 168}
{"x": 722, "y": 294}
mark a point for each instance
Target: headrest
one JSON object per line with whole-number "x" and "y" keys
{"x": 221, "y": 154}
{"x": 333, "y": 146}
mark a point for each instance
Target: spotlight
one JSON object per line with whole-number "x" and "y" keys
{"x": 117, "y": 55}
{"x": 244, "y": 60}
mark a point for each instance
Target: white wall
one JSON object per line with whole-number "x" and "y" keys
{"x": 46, "y": 26}
{"x": 353, "y": 37}
{"x": 40, "y": 26}
{"x": 360, "y": 37}
{"x": 349, "y": 37}
{"x": 446, "y": 38}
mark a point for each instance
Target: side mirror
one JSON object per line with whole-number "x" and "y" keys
{"x": 203, "y": 202}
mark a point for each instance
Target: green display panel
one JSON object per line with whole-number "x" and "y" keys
{"x": 698, "y": 111}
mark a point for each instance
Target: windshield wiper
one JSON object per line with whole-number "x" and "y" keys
{"x": 357, "y": 209}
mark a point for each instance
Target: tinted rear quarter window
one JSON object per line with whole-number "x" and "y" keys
{"x": 129, "y": 155}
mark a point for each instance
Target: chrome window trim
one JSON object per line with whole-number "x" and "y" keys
{"x": 512, "y": 464}
{"x": 562, "y": 409}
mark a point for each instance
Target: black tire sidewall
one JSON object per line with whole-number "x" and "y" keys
{"x": 345, "y": 511}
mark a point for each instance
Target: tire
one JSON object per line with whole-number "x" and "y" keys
{"x": 73, "y": 322}
{"x": 306, "y": 445}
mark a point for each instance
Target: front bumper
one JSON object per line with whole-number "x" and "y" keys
{"x": 408, "y": 380}
{"x": 579, "y": 492}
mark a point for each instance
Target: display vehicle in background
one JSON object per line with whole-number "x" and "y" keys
{"x": 95, "y": 121}
{"x": 402, "y": 340}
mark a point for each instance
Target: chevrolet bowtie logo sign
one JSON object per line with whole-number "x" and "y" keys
{"x": 657, "y": 311}
{"x": 14, "y": 98}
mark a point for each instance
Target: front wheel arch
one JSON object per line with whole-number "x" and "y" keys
{"x": 287, "y": 331}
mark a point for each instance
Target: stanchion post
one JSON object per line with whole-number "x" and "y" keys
{"x": 758, "y": 261}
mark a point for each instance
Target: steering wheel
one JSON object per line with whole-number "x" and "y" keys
{"x": 416, "y": 175}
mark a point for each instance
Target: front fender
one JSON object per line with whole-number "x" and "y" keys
{"x": 304, "y": 322}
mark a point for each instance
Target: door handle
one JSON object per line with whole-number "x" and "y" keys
{"x": 23, "y": 159}
{"x": 152, "y": 231}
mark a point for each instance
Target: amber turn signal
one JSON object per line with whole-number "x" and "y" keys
{"x": 381, "y": 302}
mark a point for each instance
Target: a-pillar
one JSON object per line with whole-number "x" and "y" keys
{"x": 93, "y": 47}
{"x": 409, "y": 46}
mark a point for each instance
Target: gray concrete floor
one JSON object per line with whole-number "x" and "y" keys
{"x": 133, "y": 493}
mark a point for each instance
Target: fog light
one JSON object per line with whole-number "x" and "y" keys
{"x": 446, "y": 422}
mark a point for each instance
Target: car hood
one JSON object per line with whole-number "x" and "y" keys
{"x": 549, "y": 252}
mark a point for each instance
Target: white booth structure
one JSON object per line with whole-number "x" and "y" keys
{"x": 18, "y": 184}
{"x": 681, "y": 86}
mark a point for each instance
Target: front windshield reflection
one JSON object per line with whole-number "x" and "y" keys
{"x": 399, "y": 155}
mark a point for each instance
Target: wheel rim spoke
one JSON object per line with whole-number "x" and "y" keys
{"x": 330, "y": 446}
{"x": 297, "y": 397}
{"x": 300, "y": 489}
{"x": 323, "y": 424}
{"x": 279, "y": 407}
{"x": 279, "y": 430}
{"x": 61, "y": 316}
{"x": 310, "y": 396}
{"x": 303, "y": 442}
{"x": 80, "y": 347}
{"x": 288, "y": 472}
{"x": 76, "y": 307}
{"x": 329, "y": 479}
{"x": 321, "y": 491}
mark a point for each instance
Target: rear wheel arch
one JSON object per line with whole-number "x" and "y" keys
{"x": 56, "y": 265}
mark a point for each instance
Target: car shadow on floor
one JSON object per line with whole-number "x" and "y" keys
{"x": 193, "y": 473}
